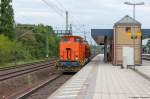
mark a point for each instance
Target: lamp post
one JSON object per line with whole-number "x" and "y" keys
{"x": 134, "y": 34}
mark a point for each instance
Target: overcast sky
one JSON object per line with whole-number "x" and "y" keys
{"x": 91, "y": 13}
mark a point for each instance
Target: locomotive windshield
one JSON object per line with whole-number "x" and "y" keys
{"x": 66, "y": 39}
{"x": 77, "y": 39}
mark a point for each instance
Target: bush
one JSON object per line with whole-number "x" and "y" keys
{"x": 10, "y": 50}
{"x": 30, "y": 44}
{"x": 7, "y": 49}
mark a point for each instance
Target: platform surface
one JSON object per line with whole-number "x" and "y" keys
{"x": 145, "y": 68}
{"x": 98, "y": 80}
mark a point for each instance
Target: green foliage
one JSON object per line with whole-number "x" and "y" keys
{"x": 30, "y": 44}
{"x": 10, "y": 50}
{"x": 53, "y": 44}
{"x": 7, "y": 19}
{"x": 34, "y": 39}
{"x": 25, "y": 41}
{"x": 6, "y": 48}
{"x": 97, "y": 49}
{"x": 148, "y": 44}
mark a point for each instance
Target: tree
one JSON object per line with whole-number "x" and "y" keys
{"x": 7, "y": 49}
{"x": 30, "y": 44}
{"x": 147, "y": 47}
{"x": 34, "y": 38}
{"x": 10, "y": 50}
{"x": 7, "y": 19}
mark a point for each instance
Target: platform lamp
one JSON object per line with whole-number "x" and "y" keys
{"x": 134, "y": 34}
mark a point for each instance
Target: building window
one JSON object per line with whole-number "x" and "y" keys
{"x": 128, "y": 29}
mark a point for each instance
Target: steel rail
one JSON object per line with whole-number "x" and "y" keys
{"x": 7, "y": 74}
{"x": 43, "y": 84}
{"x": 24, "y": 65}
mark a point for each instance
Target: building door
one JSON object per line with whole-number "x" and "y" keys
{"x": 128, "y": 55}
{"x": 68, "y": 53}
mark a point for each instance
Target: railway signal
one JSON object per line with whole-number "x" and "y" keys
{"x": 129, "y": 32}
{"x": 139, "y": 33}
{"x": 132, "y": 35}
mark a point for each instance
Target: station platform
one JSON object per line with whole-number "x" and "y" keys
{"x": 144, "y": 69}
{"x": 98, "y": 80}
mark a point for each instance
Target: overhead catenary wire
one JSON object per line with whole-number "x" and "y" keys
{"x": 65, "y": 9}
{"x": 61, "y": 10}
{"x": 61, "y": 5}
{"x": 57, "y": 6}
{"x": 54, "y": 7}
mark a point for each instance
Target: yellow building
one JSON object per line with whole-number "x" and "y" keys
{"x": 123, "y": 36}
{"x": 119, "y": 38}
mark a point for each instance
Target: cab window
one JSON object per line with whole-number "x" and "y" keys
{"x": 66, "y": 39}
{"x": 77, "y": 40}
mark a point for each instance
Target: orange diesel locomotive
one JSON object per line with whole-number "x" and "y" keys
{"x": 74, "y": 53}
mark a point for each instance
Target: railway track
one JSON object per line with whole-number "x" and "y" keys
{"x": 45, "y": 89}
{"x": 22, "y": 65}
{"x": 53, "y": 81}
{"x": 24, "y": 69}
{"x": 40, "y": 86}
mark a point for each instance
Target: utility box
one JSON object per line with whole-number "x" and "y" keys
{"x": 123, "y": 44}
{"x": 128, "y": 56}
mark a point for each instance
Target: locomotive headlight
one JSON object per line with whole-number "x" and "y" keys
{"x": 61, "y": 58}
{"x": 76, "y": 58}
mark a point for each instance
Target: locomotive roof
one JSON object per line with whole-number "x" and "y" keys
{"x": 72, "y": 36}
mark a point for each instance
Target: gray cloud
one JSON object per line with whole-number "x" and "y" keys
{"x": 94, "y": 12}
